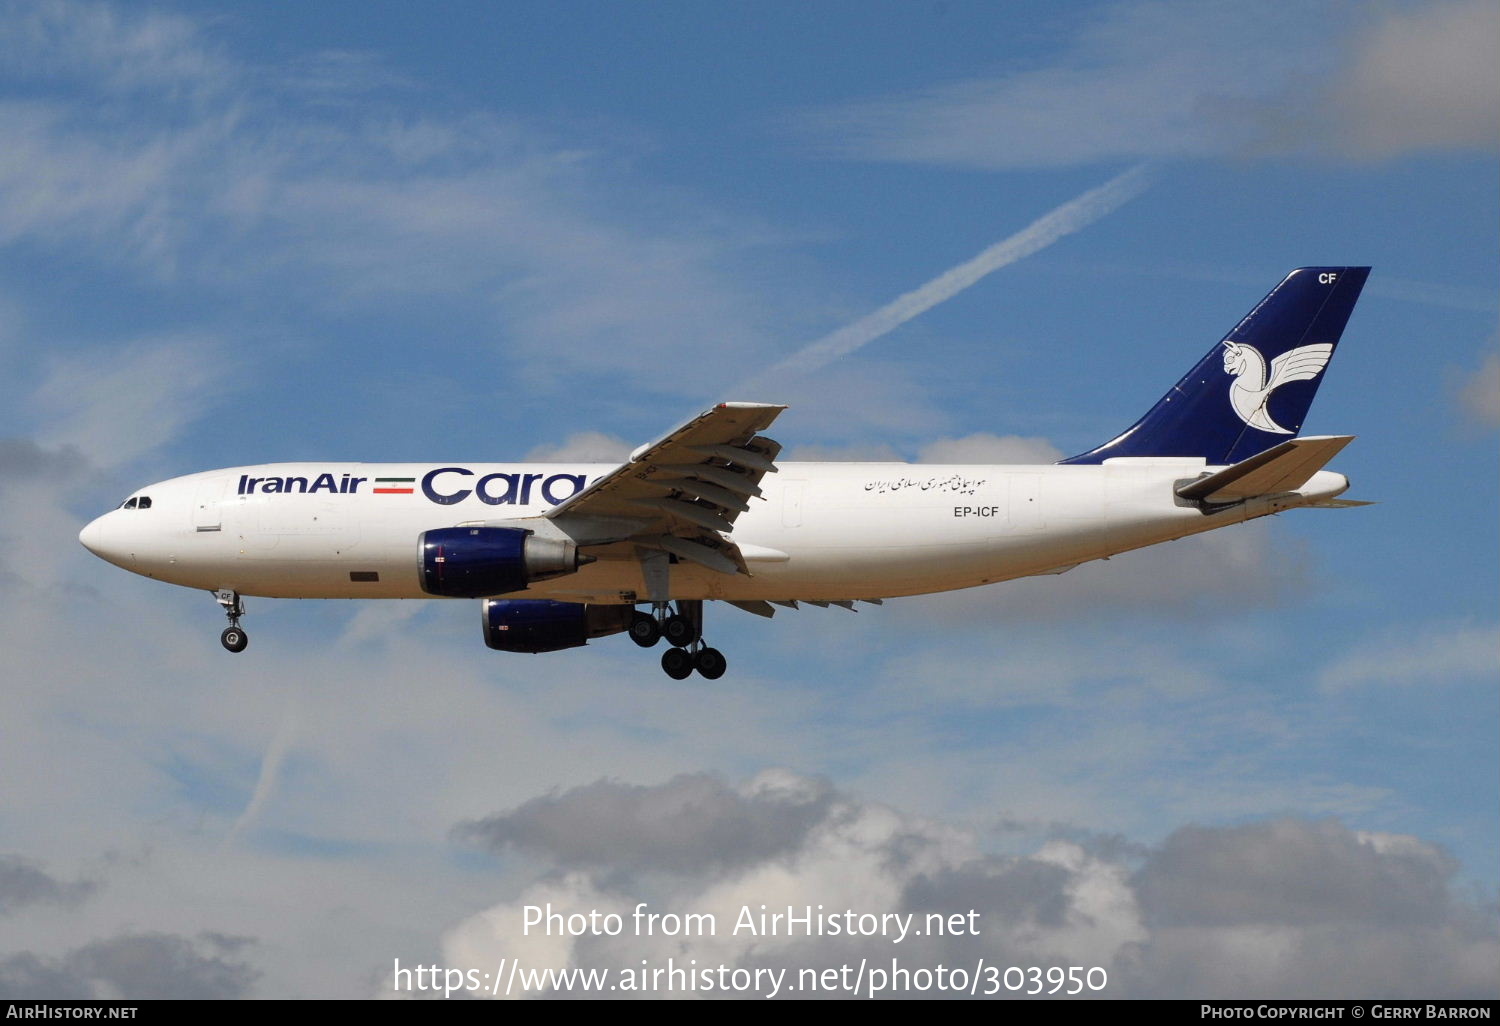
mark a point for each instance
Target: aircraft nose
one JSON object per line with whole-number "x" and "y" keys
{"x": 92, "y": 536}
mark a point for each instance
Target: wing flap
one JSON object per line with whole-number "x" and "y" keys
{"x": 692, "y": 512}
{"x": 682, "y": 493}
{"x": 755, "y": 606}
{"x": 723, "y": 477}
{"x": 697, "y": 489}
{"x": 745, "y": 456}
{"x": 719, "y": 558}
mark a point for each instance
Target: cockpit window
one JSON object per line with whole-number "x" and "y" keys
{"x": 145, "y": 502}
{"x": 129, "y": 504}
{"x": 137, "y": 502}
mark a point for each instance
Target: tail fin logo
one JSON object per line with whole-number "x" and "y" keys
{"x": 1251, "y": 388}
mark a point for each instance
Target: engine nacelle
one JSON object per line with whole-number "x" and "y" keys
{"x": 542, "y": 625}
{"x": 473, "y": 562}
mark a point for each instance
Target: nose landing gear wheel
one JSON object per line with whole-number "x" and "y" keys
{"x": 710, "y": 662}
{"x": 234, "y": 639}
{"x": 644, "y": 630}
{"x": 678, "y": 663}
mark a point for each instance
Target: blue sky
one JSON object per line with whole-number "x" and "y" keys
{"x": 232, "y": 234}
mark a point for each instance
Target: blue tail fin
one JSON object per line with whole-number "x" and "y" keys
{"x": 1253, "y": 389}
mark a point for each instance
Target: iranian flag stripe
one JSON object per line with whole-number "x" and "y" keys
{"x": 394, "y": 485}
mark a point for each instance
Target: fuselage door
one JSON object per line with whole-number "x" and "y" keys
{"x": 207, "y": 504}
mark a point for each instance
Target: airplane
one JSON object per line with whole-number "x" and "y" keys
{"x": 559, "y": 554}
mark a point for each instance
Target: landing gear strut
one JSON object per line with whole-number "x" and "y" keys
{"x": 234, "y": 637}
{"x": 683, "y": 630}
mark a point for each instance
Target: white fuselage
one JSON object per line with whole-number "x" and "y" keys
{"x": 831, "y": 531}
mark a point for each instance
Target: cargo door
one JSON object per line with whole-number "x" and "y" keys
{"x": 208, "y": 501}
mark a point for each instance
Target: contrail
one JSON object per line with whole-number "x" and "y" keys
{"x": 1041, "y": 233}
{"x": 270, "y": 767}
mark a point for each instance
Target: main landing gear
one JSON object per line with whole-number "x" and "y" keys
{"x": 683, "y": 630}
{"x": 234, "y": 637}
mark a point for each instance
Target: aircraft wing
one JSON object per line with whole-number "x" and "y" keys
{"x": 684, "y": 491}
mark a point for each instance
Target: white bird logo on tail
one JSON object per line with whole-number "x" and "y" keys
{"x": 1251, "y": 389}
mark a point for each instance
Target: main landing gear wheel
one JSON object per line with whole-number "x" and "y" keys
{"x": 683, "y": 630}
{"x": 680, "y": 631}
{"x": 234, "y": 639}
{"x": 644, "y": 630}
{"x": 709, "y": 662}
{"x": 678, "y": 663}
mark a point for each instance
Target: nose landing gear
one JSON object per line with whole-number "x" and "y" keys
{"x": 234, "y": 637}
{"x": 684, "y": 632}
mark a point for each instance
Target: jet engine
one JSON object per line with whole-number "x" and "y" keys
{"x": 474, "y": 562}
{"x": 542, "y": 625}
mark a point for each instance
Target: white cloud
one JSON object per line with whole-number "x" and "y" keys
{"x": 119, "y": 403}
{"x": 141, "y": 49}
{"x": 1421, "y": 79}
{"x": 999, "y": 672}
{"x": 855, "y": 452}
{"x": 1427, "y": 655}
{"x": 584, "y": 447}
{"x": 990, "y": 449}
{"x": 1480, "y": 394}
{"x": 979, "y": 448}
{"x": 192, "y": 168}
{"x": 1164, "y": 80}
{"x": 1270, "y": 907}
{"x": 23, "y": 883}
{"x": 852, "y": 403}
{"x": 146, "y": 966}
{"x": 1184, "y": 580}
{"x": 492, "y": 940}
{"x": 1430, "y": 293}
{"x": 1180, "y": 79}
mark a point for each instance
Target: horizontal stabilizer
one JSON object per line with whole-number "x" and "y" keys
{"x": 1281, "y": 468}
{"x": 1339, "y": 504}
